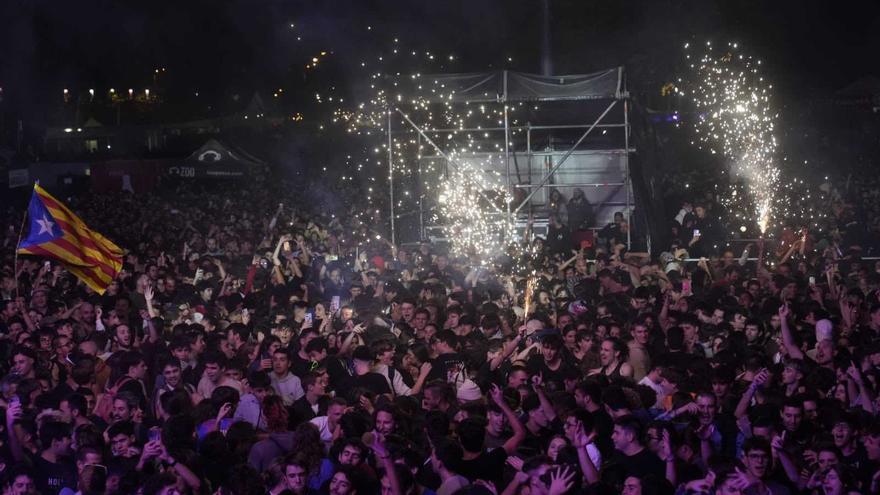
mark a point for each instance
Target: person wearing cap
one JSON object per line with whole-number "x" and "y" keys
{"x": 466, "y": 325}
{"x": 364, "y": 376}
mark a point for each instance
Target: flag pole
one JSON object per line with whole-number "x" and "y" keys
{"x": 17, "y": 244}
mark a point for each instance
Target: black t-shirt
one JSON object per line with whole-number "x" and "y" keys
{"x": 536, "y": 443}
{"x": 620, "y": 467}
{"x": 298, "y": 365}
{"x": 338, "y": 373}
{"x": 488, "y": 466}
{"x": 374, "y": 382}
{"x": 442, "y": 364}
{"x": 604, "y": 426}
{"x": 537, "y": 365}
{"x": 52, "y": 477}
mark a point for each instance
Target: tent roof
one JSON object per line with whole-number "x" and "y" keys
{"x": 515, "y": 86}
{"x": 213, "y": 152}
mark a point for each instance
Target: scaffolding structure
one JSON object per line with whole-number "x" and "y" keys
{"x": 579, "y": 139}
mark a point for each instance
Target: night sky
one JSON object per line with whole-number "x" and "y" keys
{"x": 223, "y": 47}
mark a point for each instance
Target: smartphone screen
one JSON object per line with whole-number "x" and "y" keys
{"x": 696, "y": 232}
{"x": 225, "y": 423}
{"x": 286, "y": 246}
{"x": 334, "y": 304}
{"x": 155, "y": 434}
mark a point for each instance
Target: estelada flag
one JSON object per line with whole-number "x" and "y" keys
{"x": 56, "y": 233}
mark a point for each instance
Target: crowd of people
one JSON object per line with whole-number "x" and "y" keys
{"x": 251, "y": 347}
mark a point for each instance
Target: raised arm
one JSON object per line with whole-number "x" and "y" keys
{"x": 856, "y": 383}
{"x": 742, "y": 407}
{"x": 13, "y": 413}
{"x": 507, "y": 349}
{"x": 148, "y": 297}
{"x": 546, "y": 406}
{"x": 519, "y": 432}
{"x": 581, "y": 440}
{"x": 387, "y": 463}
{"x": 787, "y": 338}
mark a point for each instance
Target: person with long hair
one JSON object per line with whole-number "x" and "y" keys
{"x": 279, "y": 442}
{"x": 612, "y": 356}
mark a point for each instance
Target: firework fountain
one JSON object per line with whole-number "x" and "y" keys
{"x": 736, "y": 120}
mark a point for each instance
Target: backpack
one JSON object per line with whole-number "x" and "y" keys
{"x": 104, "y": 404}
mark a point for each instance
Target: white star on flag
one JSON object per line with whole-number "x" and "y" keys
{"x": 45, "y": 225}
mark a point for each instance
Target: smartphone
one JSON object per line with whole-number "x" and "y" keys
{"x": 309, "y": 318}
{"x": 696, "y": 232}
{"x": 286, "y": 246}
{"x": 331, "y": 257}
{"x": 812, "y": 280}
{"x": 155, "y": 434}
{"x": 686, "y": 286}
{"x": 225, "y": 423}
{"x": 15, "y": 400}
{"x": 47, "y": 264}
{"x": 334, "y": 304}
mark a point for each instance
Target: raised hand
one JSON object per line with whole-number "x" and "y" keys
{"x": 378, "y": 445}
{"x": 581, "y": 438}
{"x": 761, "y": 378}
{"x": 13, "y": 413}
{"x": 496, "y": 394}
{"x": 705, "y": 433}
{"x": 152, "y": 449}
{"x": 148, "y": 292}
{"x": 560, "y": 481}
{"x": 515, "y": 462}
{"x": 537, "y": 381}
{"x": 425, "y": 369}
{"x": 778, "y": 443}
{"x": 784, "y": 311}
{"x": 224, "y": 411}
{"x": 854, "y": 372}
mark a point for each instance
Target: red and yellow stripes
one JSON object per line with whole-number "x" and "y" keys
{"x": 84, "y": 252}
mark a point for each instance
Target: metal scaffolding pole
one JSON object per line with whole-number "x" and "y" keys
{"x": 507, "y": 235}
{"x": 438, "y": 150}
{"x": 627, "y": 179}
{"x": 391, "y": 178}
{"x": 565, "y": 157}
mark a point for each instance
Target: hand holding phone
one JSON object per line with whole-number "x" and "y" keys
{"x": 225, "y": 423}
